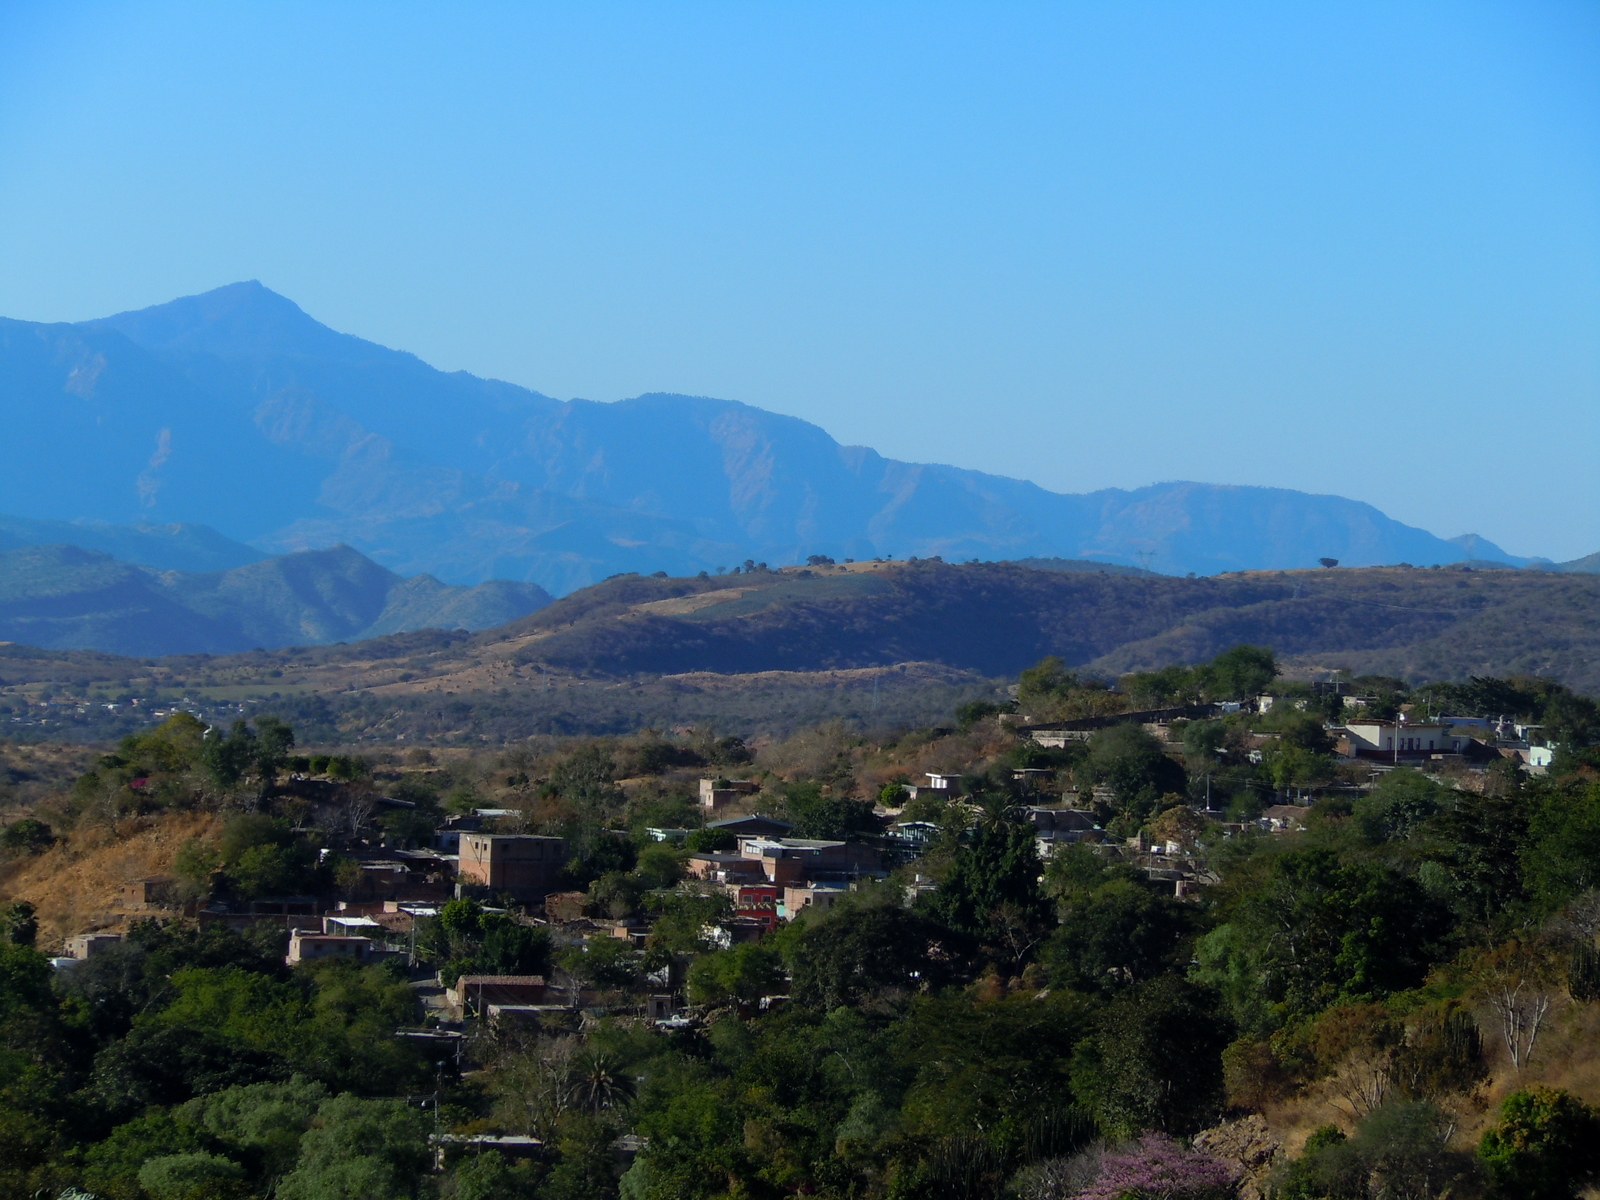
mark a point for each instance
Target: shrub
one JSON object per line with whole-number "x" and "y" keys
{"x": 28, "y": 836}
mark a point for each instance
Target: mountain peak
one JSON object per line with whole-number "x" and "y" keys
{"x": 238, "y": 320}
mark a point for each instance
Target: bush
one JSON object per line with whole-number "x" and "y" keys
{"x": 27, "y": 836}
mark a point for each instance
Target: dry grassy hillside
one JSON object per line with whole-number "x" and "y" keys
{"x": 77, "y": 884}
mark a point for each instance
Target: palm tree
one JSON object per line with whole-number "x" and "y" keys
{"x": 597, "y": 1083}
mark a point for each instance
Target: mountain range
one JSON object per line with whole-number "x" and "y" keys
{"x": 235, "y": 410}
{"x": 64, "y": 597}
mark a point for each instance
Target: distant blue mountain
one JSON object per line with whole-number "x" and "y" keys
{"x": 236, "y": 410}
{"x": 175, "y": 547}
{"x": 63, "y": 597}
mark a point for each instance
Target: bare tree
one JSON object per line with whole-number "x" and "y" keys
{"x": 1521, "y": 1011}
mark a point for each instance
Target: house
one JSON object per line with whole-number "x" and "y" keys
{"x": 87, "y": 945}
{"x": 352, "y": 925}
{"x": 717, "y": 867}
{"x": 154, "y": 891}
{"x": 756, "y": 902}
{"x": 1058, "y": 734}
{"x": 522, "y": 864}
{"x": 1053, "y": 826}
{"x": 942, "y": 785}
{"x": 753, "y": 826}
{"x": 476, "y": 991}
{"x": 510, "y": 1146}
{"x": 1374, "y": 738}
{"x": 306, "y": 947}
{"x": 792, "y": 861}
{"x": 819, "y": 897}
{"x": 448, "y": 837}
{"x": 915, "y": 834}
{"x": 718, "y": 793}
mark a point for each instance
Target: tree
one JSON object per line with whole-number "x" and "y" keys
{"x": 371, "y": 1149}
{"x": 1546, "y": 1146}
{"x": 991, "y": 893}
{"x": 1329, "y": 562}
{"x": 1240, "y": 672}
{"x": 1315, "y": 929}
{"x": 744, "y": 973}
{"x": 1155, "y": 1061}
{"x": 21, "y": 923}
{"x": 815, "y": 815}
{"x": 1132, "y": 764}
{"x": 193, "y": 1176}
{"x": 1116, "y": 934}
{"x": 1561, "y": 857}
{"x": 1401, "y": 804}
{"x": 1202, "y": 740}
{"x": 868, "y": 957}
{"x": 27, "y": 836}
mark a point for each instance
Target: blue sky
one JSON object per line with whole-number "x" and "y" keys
{"x": 1340, "y": 247}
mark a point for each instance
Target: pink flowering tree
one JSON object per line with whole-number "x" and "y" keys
{"x": 1156, "y": 1168}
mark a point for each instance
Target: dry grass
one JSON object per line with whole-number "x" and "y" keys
{"x": 77, "y": 884}
{"x": 1567, "y": 1057}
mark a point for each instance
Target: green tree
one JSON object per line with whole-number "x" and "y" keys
{"x": 744, "y": 973}
{"x": 1117, "y": 933}
{"x": 872, "y": 957}
{"x": 991, "y": 893}
{"x": 21, "y": 923}
{"x": 27, "y": 836}
{"x": 1155, "y": 1061}
{"x": 1315, "y": 929}
{"x": 197, "y": 1175}
{"x": 1240, "y": 672}
{"x": 1561, "y": 857}
{"x": 1133, "y": 765}
{"x": 1546, "y": 1146}
{"x": 815, "y": 815}
{"x": 1401, "y": 804}
{"x": 359, "y": 1150}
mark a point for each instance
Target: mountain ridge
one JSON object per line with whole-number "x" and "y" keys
{"x": 68, "y": 597}
{"x": 238, "y": 410}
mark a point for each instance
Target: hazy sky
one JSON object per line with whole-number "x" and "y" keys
{"x": 1339, "y": 247}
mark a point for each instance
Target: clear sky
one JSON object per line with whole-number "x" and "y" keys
{"x": 1341, "y": 247}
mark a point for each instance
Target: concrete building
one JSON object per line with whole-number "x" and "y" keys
{"x": 87, "y": 945}
{"x": 155, "y": 891}
{"x": 305, "y": 947}
{"x": 473, "y": 992}
{"x": 1419, "y": 739}
{"x": 522, "y": 864}
{"x": 797, "y": 900}
{"x": 718, "y": 793}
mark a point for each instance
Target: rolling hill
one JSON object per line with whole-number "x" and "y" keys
{"x": 873, "y": 643}
{"x": 236, "y": 410}
{"x": 66, "y": 597}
